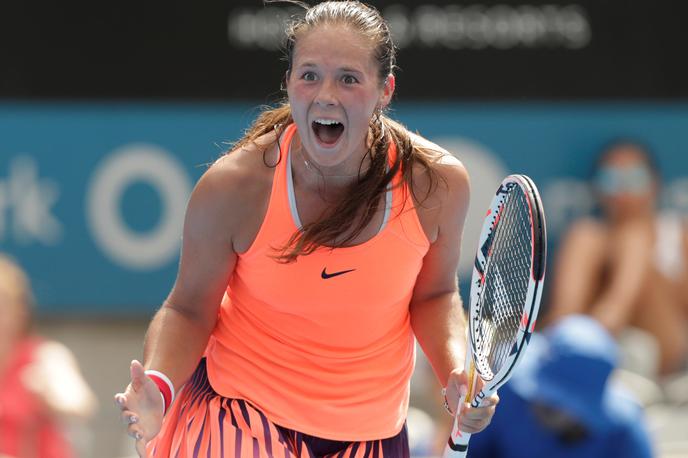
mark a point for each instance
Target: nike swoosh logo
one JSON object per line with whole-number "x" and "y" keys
{"x": 325, "y": 275}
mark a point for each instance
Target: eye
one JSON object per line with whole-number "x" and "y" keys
{"x": 349, "y": 79}
{"x": 309, "y": 76}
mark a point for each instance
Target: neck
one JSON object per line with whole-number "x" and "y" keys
{"x": 306, "y": 173}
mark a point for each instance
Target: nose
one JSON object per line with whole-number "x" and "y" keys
{"x": 327, "y": 95}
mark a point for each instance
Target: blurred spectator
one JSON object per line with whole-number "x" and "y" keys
{"x": 41, "y": 387}
{"x": 560, "y": 402}
{"x": 628, "y": 268}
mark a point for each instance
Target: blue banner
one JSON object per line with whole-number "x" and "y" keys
{"x": 92, "y": 196}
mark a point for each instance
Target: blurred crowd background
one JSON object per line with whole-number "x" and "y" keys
{"x": 109, "y": 112}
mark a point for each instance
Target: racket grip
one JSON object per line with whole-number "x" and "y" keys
{"x": 457, "y": 445}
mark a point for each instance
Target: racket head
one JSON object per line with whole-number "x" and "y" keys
{"x": 506, "y": 285}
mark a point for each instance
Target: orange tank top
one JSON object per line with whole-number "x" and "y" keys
{"x": 322, "y": 345}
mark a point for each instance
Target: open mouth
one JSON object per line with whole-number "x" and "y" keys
{"x": 327, "y": 131}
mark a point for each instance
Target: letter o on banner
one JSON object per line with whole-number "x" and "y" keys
{"x": 125, "y": 166}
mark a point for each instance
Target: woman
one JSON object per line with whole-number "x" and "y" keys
{"x": 628, "y": 269}
{"x": 312, "y": 254}
{"x": 41, "y": 387}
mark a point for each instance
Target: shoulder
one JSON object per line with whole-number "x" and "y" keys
{"x": 238, "y": 174}
{"x": 440, "y": 190}
{"x": 447, "y": 168}
{"x": 588, "y": 226}
{"x": 587, "y": 231}
{"x": 443, "y": 161}
{"x": 241, "y": 166}
{"x": 228, "y": 193}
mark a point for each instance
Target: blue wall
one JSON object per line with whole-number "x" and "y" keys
{"x": 92, "y": 195}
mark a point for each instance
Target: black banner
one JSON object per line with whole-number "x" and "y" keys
{"x": 221, "y": 50}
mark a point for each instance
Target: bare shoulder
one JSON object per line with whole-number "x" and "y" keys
{"x": 447, "y": 167}
{"x": 587, "y": 233}
{"x": 227, "y": 196}
{"x": 442, "y": 156}
{"x": 235, "y": 176}
{"x": 442, "y": 192}
{"x": 588, "y": 227}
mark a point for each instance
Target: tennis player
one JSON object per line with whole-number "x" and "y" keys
{"x": 312, "y": 254}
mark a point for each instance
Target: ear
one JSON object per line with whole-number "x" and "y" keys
{"x": 388, "y": 90}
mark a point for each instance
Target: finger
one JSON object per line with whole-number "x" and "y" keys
{"x": 460, "y": 381}
{"x": 138, "y": 375}
{"x": 463, "y": 391}
{"x": 472, "y": 426}
{"x": 474, "y": 419}
{"x": 453, "y": 401}
{"x": 128, "y": 417}
{"x": 476, "y": 415}
{"x": 135, "y": 432}
{"x": 490, "y": 401}
{"x": 120, "y": 401}
{"x": 141, "y": 448}
{"x": 479, "y": 413}
{"x": 457, "y": 389}
{"x": 484, "y": 405}
{"x": 486, "y": 408}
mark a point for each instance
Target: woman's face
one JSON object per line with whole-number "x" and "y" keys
{"x": 333, "y": 90}
{"x": 625, "y": 183}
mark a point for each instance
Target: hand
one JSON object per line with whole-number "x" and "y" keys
{"x": 141, "y": 408}
{"x": 471, "y": 419}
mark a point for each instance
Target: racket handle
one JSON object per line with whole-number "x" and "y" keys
{"x": 457, "y": 445}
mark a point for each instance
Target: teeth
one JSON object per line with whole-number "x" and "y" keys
{"x": 327, "y": 122}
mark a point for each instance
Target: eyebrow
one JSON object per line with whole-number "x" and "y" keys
{"x": 343, "y": 69}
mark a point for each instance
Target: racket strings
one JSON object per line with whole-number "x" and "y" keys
{"x": 507, "y": 272}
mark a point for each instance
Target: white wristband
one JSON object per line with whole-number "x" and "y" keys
{"x": 165, "y": 386}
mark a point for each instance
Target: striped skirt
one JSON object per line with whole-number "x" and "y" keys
{"x": 201, "y": 423}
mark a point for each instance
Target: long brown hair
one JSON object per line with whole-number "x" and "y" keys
{"x": 349, "y": 217}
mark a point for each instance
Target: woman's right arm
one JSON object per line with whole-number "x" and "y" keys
{"x": 581, "y": 262}
{"x": 179, "y": 332}
{"x": 630, "y": 249}
{"x": 578, "y": 265}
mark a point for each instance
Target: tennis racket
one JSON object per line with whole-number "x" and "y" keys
{"x": 506, "y": 288}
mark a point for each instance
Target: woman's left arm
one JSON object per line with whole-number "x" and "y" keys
{"x": 437, "y": 315}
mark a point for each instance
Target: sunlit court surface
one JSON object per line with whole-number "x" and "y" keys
{"x": 111, "y": 115}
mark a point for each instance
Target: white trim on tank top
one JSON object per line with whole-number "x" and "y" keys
{"x": 292, "y": 198}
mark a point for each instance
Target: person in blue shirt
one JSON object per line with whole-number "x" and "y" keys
{"x": 560, "y": 401}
